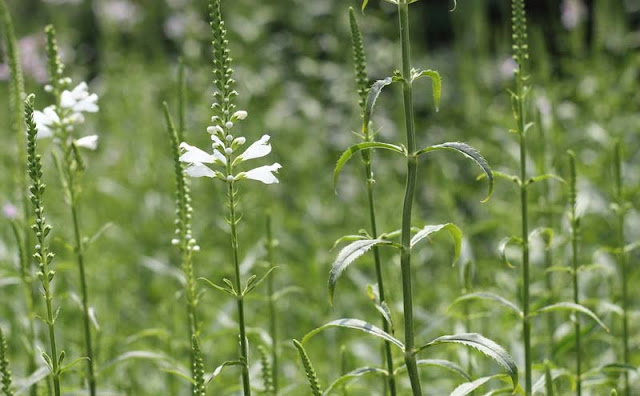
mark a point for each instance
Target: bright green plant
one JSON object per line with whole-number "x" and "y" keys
{"x": 59, "y": 121}
{"x": 226, "y": 156}
{"x": 410, "y": 237}
{"x": 272, "y": 374}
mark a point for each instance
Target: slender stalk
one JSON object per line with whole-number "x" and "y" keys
{"x": 41, "y": 229}
{"x": 521, "y": 55}
{"x": 273, "y": 319}
{"x": 5, "y": 373}
{"x": 622, "y": 262}
{"x": 362, "y": 82}
{"x": 233, "y": 221}
{"x": 412, "y": 173}
{"x": 22, "y": 232}
{"x": 575, "y": 230}
{"x": 86, "y": 319}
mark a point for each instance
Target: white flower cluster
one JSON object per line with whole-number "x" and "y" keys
{"x": 55, "y": 120}
{"x": 224, "y": 154}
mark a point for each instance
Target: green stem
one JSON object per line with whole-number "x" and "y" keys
{"x": 273, "y": 320}
{"x": 622, "y": 263}
{"x": 388, "y": 357}
{"x": 83, "y": 287}
{"x": 244, "y": 350}
{"x": 526, "y": 324}
{"x": 412, "y": 172}
{"x": 575, "y": 230}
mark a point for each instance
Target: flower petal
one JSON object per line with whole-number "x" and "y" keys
{"x": 89, "y": 142}
{"x": 195, "y": 155}
{"x": 199, "y": 170}
{"x": 264, "y": 173}
{"x": 219, "y": 157}
{"x": 257, "y": 149}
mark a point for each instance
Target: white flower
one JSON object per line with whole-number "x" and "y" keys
{"x": 257, "y": 149}
{"x": 79, "y": 100}
{"x": 239, "y": 115}
{"x": 46, "y": 120}
{"x": 89, "y": 142}
{"x": 574, "y": 12}
{"x": 264, "y": 173}
{"x": 196, "y": 159}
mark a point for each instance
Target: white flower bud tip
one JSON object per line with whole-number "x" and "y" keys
{"x": 230, "y": 178}
{"x": 229, "y": 124}
{"x": 228, "y": 151}
{"x": 229, "y": 138}
{"x": 240, "y": 115}
{"x": 175, "y": 241}
{"x": 196, "y": 248}
{"x": 240, "y": 141}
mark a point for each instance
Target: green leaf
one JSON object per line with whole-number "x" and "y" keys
{"x": 229, "y": 290}
{"x": 569, "y": 306}
{"x": 452, "y": 229}
{"x": 436, "y": 83}
{"x": 364, "y": 4}
{"x": 446, "y": 364}
{"x": 348, "y": 255}
{"x": 545, "y": 233}
{"x": 541, "y": 386}
{"x": 484, "y": 345}
{"x": 252, "y": 285}
{"x": 355, "y": 324}
{"x": 73, "y": 363}
{"x": 469, "y": 387}
{"x": 382, "y": 307}
{"x": 348, "y": 238}
{"x": 219, "y": 369}
{"x": 502, "y": 248}
{"x": 346, "y": 156}
{"x": 546, "y": 177}
{"x": 372, "y": 98}
{"x": 468, "y": 152}
{"x": 350, "y": 376}
{"x": 148, "y": 355}
{"x": 490, "y": 297}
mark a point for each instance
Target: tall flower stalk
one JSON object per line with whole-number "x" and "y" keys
{"x": 574, "y": 220}
{"x": 183, "y": 237}
{"x": 42, "y": 254}
{"x": 227, "y": 158}
{"x": 20, "y": 228}
{"x": 273, "y": 314}
{"x": 59, "y": 121}
{"x": 520, "y": 55}
{"x": 362, "y": 82}
{"x": 621, "y": 208}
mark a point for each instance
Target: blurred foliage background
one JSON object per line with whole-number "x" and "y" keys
{"x": 292, "y": 61}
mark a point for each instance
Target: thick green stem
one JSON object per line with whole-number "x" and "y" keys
{"x": 412, "y": 172}
{"x": 83, "y": 287}
{"x": 273, "y": 319}
{"x": 244, "y": 350}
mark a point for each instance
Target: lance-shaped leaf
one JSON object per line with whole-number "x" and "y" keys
{"x": 348, "y": 255}
{"x": 355, "y": 324}
{"x": 569, "y": 306}
{"x": 545, "y": 233}
{"x": 219, "y": 369}
{"x": 436, "y": 83}
{"x": 502, "y": 248}
{"x": 446, "y": 364}
{"x": 468, "y": 152}
{"x": 372, "y": 98}
{"x": 452, "y": 229}
{"x": 350, "y": 376}
{"x": 484, "y": 345}
{"x": 468, "y": 387}
{"x": 346, "y": 156}
{"x": 489, "y": 297}
{"x": 545, "y": 383}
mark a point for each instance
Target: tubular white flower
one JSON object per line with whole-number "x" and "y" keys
{"x": 197, "y": 169}
{"x": 218, "y": 141}
{"x": 79, "y": 100}
{"x": 195, "y": 155}
{"x": 45, "y": 121}
{"x": 89, "y": 142}
{"x": 264, "y": 173}
{"x": 257, "y": 149}
{"x": 239, "y": 115}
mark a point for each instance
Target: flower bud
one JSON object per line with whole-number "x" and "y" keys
{"x": 239, "y": 115}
